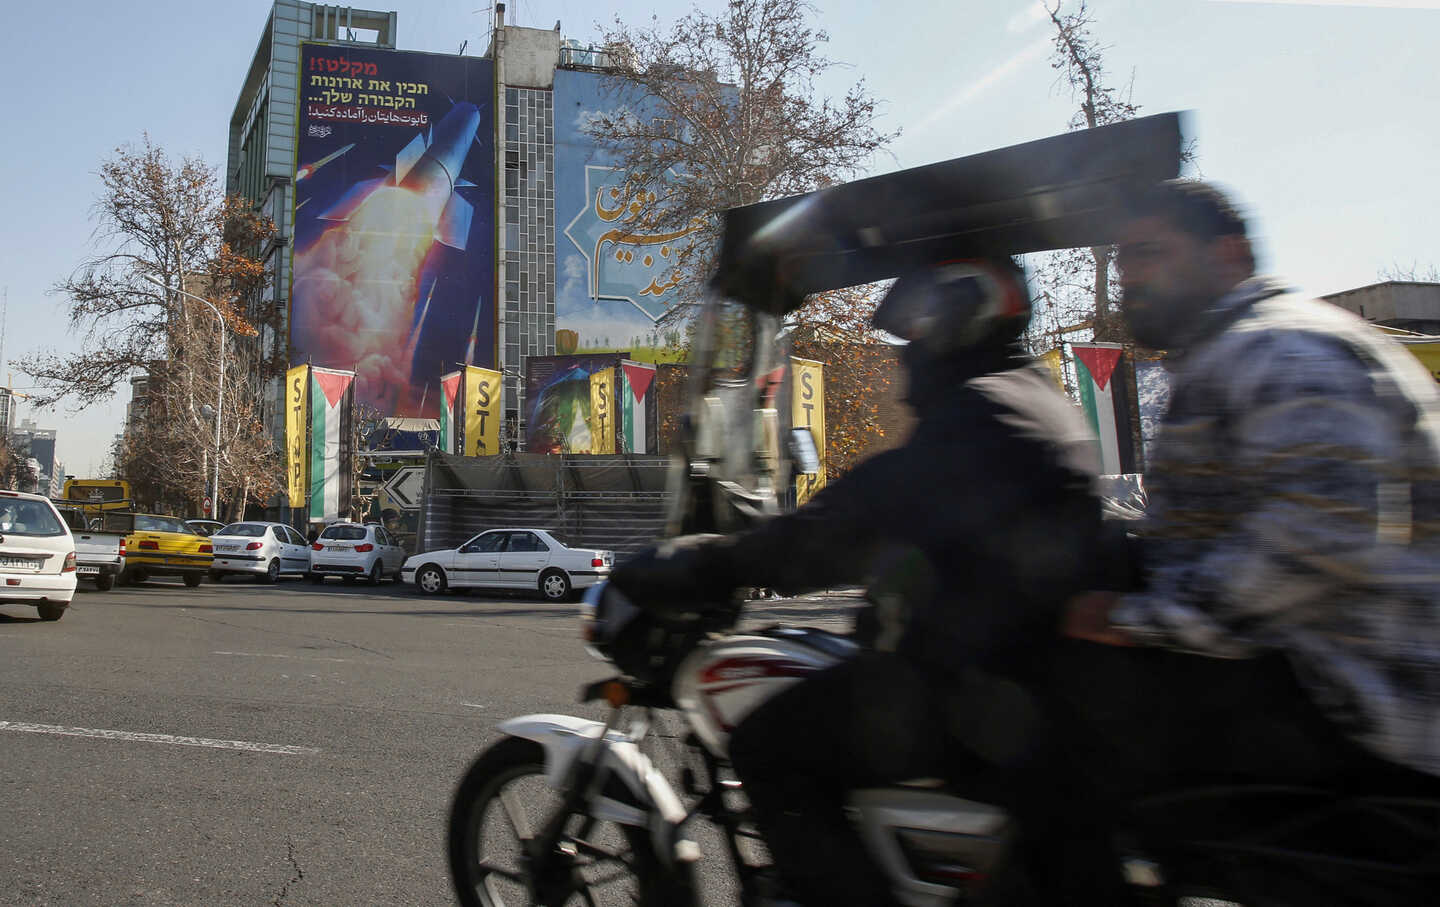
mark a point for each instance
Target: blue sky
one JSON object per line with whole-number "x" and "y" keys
{"x": 1319, "y": 115}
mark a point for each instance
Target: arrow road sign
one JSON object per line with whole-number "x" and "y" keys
{"x": 406, "y": 486}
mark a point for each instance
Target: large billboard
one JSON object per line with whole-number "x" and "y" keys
{"x": 559, "y": 401}
{"x": 394, "y": 220}
{"x": 613, "y": 278}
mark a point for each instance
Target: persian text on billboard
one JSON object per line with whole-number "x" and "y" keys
{"x": 394, "y": 221}
{"x": 613, "y": 279}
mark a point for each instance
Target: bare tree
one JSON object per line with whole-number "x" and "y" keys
{"x": 1073, "y": 285}
{"x": 720, "y": 111}
{"x": 16, "y": 473}
{"x": 834, "y": 328}
{"x": 167, "y": 224}
{"x": 1415, "y": 273}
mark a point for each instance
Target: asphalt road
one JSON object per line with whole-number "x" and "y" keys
{"x": 243, "y": 744}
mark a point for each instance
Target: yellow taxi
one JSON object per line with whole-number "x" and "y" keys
{"x": 166, "y": 546}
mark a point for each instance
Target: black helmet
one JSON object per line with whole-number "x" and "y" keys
{"x": 958, "y": 305}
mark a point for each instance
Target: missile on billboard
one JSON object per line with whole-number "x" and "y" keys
{"x": 308, "y": 170}
{"x": 428, "y": 167}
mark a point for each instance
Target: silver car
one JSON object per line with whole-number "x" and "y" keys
{"x": 266, "y": 551}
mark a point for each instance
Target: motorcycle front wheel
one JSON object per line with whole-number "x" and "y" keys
{"x": 502, "y": 805}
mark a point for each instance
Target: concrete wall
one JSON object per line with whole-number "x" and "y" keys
{"x": 1392, "y": 303}
{"x": 531, "y": 55}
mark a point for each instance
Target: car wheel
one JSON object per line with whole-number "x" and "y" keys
{"x": 105, "y": 582}
{"x": 137, "y": 576}
{"x": 376, "y": 574}
{"x": 431, "y": 580}
{"x": 216, "y": 576}
{"x": 272, "y": 572}
{"x": 193, "y": 579}
{"x": 316, "y": 578}
{"x": 51, "y": 611}
{"x": 555, "y": 585}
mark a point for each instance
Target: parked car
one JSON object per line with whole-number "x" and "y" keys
{"x": 206, "y": 528}
{"x": 166, "y": 546}
{"x": 511, "y": 559}
{"x": 265, "y": 550}
{"x": 99, "y": 543}
{"x": 37, "y": 555}
{"x": 349, "y": 550}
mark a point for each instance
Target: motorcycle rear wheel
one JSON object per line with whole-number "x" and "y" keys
{"x": 502, "y": 802}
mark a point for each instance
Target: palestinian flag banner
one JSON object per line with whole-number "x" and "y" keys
{"x": 1103, "y": 397}
{"x": 634, "y": 405}
{"x": 449, "y": 398}
{"x": 331, "y": 396}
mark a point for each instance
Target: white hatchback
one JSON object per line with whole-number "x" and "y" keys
{"x": 530, "y": 559}
{"x": 264, "y": 550}
{"x": 37, "y": 555}
{"x": 351, "y": 550}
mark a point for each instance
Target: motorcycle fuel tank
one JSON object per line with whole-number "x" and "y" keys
{"x": 721, "y": 682}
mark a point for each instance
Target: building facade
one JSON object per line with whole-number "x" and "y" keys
{"x": 1407, "y": 305}
{"x": 435, "y": 211}
{"x": 260, "y": 163}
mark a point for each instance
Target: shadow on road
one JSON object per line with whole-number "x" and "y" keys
{"x": 550, "y": 611}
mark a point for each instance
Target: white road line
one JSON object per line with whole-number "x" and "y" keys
{"x": 136, "y": 736}
{"x": 473, "y": 705}
{"x": 276, "y": 655}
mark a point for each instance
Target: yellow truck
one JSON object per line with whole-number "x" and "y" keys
{"x": 166, "y": 546}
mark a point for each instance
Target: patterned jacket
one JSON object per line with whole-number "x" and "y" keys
{"x": 1295, "y": 506}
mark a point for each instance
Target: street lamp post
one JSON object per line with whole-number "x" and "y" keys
{"x": 220, "y": 391}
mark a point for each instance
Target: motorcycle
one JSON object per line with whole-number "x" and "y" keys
{"x": 613, "y": 830}
{"x": 569, "y": 810}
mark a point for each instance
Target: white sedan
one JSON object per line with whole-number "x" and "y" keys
{"x": 267, "y": 551}
{"x": 531, "y": 559}
{"x": 37, "y": 555}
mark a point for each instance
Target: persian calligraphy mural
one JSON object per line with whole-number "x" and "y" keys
{"x": 394, "y": 221}
{"x": 614, "y": 277}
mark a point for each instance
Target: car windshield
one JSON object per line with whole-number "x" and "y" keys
{"x": 244, "y": 530}
{"x": 147, "y": 523}
{"x": 21, "y": 517}
{"x": 344, "y": 533}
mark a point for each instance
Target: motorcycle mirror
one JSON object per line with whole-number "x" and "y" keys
{"x": 803, "y": 452}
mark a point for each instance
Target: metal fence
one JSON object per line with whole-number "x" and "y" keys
{"x": 618, "y": 503}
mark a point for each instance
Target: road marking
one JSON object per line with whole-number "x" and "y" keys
{"x": 275, "y": 655}
{"x": 472, "y": 705}
{"x": 136, "y": 736}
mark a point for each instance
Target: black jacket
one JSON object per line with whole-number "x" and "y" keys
{"x": 985, "y": 521}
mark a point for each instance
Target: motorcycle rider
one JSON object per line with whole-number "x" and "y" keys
{"x": 1290, "y": 544}
{"x": 984, "y": 522}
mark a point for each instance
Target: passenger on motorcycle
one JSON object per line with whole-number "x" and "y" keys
{"x": 981, "y": 527}
{"x": 1293, "y": 528}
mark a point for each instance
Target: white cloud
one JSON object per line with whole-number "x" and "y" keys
{"x": 1030, "y": 53}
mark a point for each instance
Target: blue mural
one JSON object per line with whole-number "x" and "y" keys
{"x": 614, "y": 279}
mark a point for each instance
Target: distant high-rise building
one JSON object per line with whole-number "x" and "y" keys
{"x": 39, "y": 445}
{"x": 7, "y": 410}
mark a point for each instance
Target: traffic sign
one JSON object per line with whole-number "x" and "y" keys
{"x": 208, "y": 505}
{"x": 406, "y": 487}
